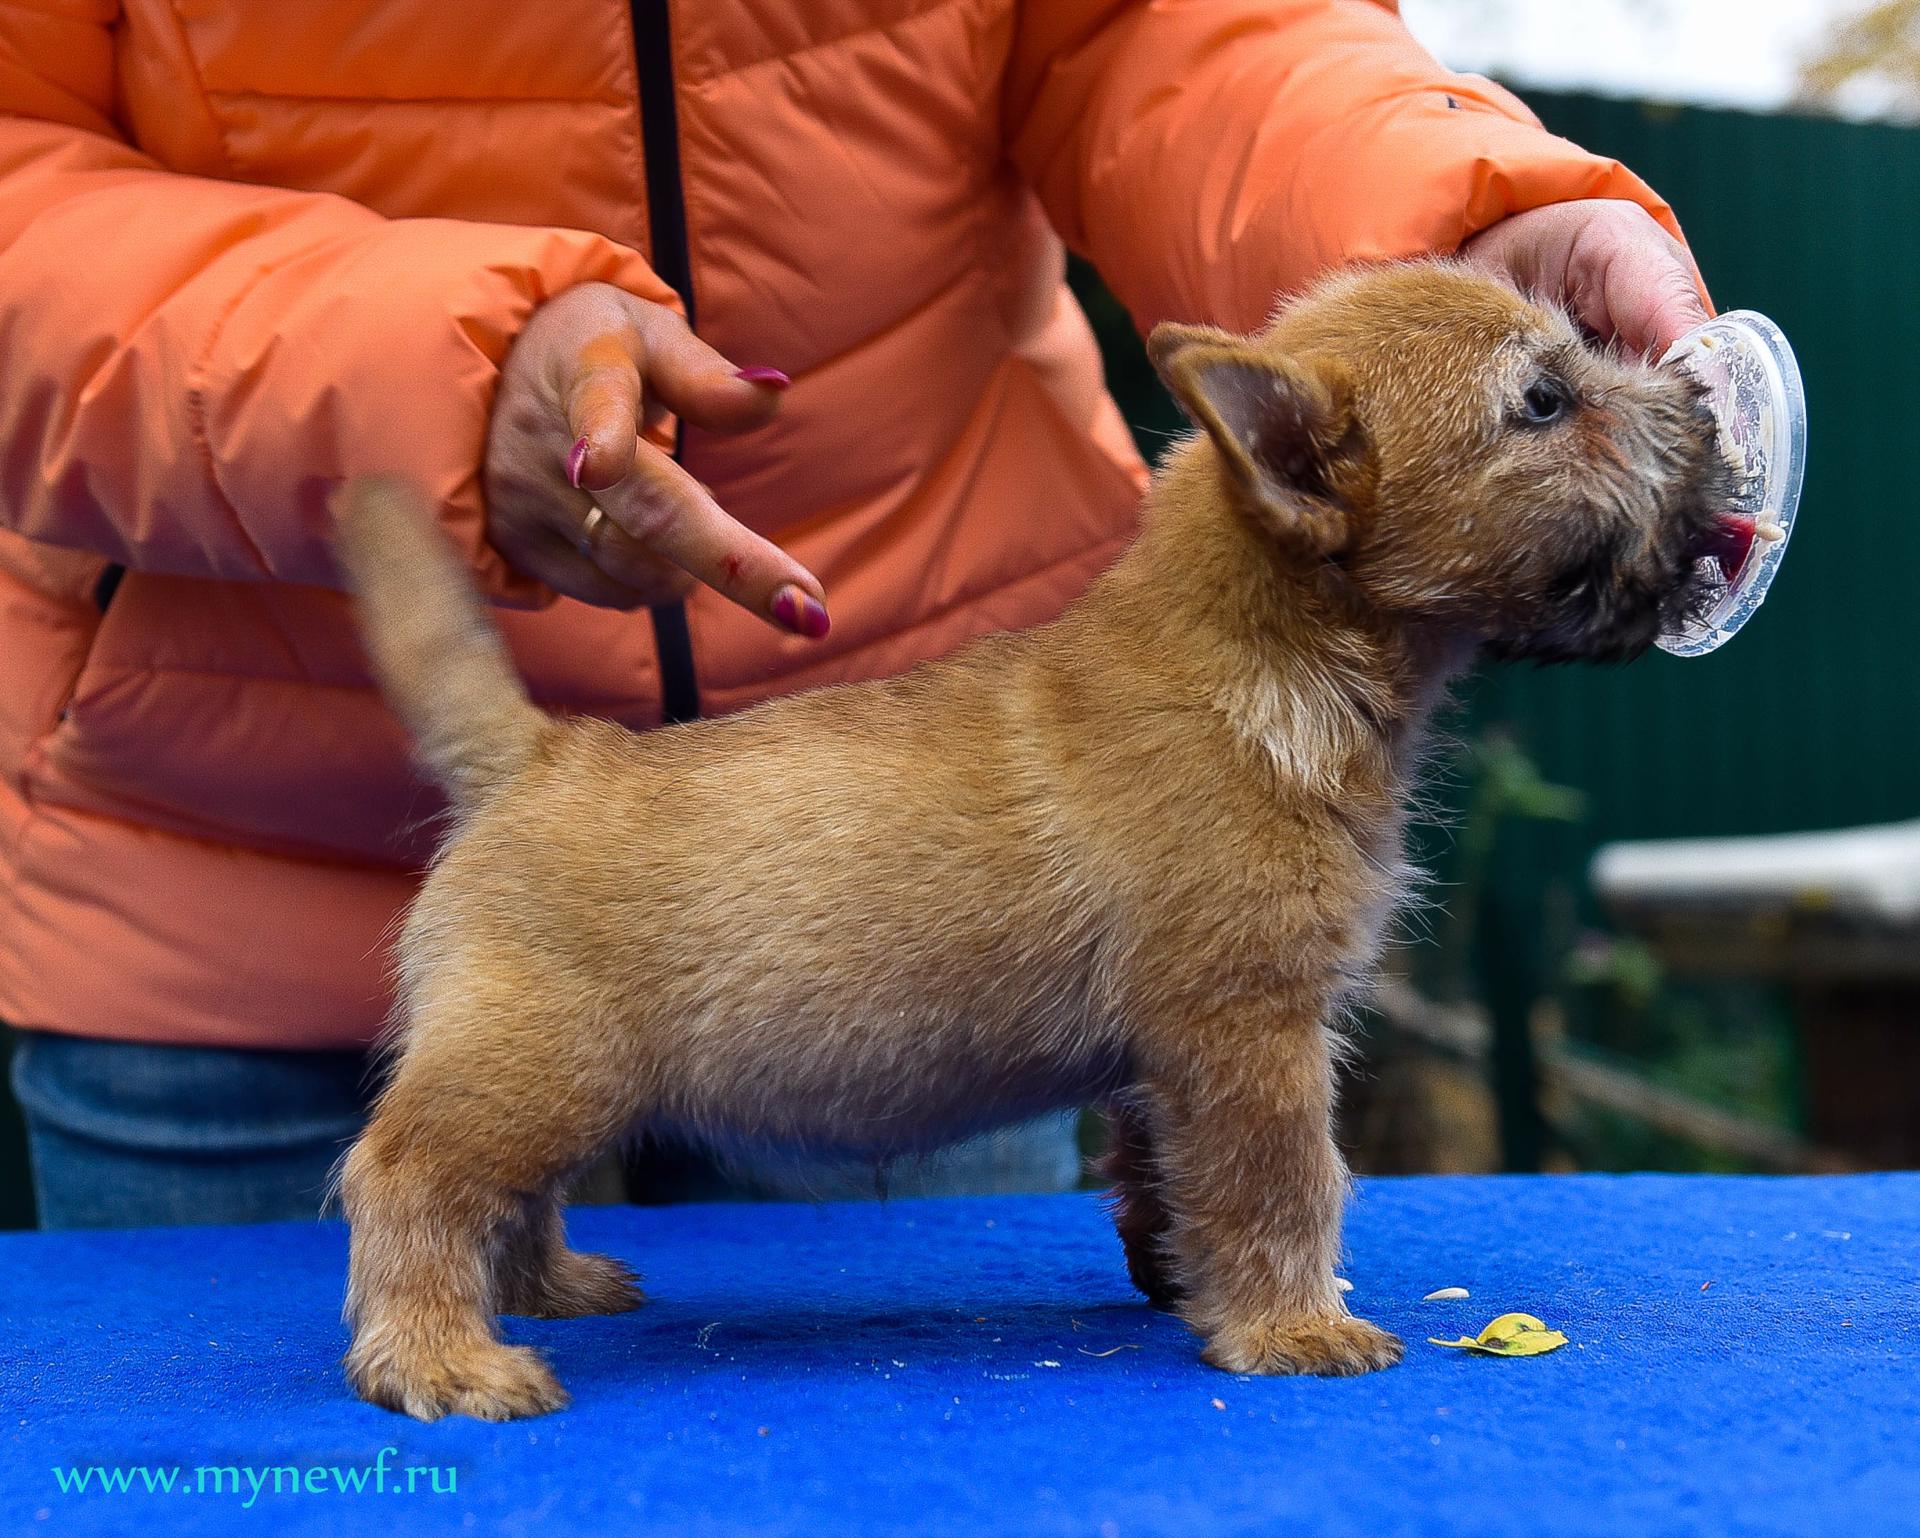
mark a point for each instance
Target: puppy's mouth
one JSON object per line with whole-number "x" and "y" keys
{"x": 1611, "y": 608}
{"x": 1719, "y": 559}
{"x": 1728, "y": 544}
{"x": 1731, "y": 541}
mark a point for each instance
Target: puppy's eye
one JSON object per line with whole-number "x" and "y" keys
{"x": 1547, "y": 400}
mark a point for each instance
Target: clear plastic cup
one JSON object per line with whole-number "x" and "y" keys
{"x": 1753, "y": 386}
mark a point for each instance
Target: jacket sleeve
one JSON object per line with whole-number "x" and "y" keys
{"x": 187, "y": 366}
{"x": 1207, "y": 155}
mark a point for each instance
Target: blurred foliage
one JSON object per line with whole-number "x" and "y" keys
{"x": 1625, "y": 968}
{"x": 1729, "y": 1044}
{"x": 1871, "y": 60}
{"x": 1725, "y": 1042}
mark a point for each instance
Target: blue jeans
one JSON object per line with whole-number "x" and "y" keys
{"x": 123, "y": 1134}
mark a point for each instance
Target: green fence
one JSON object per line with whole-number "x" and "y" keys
{"x": 1812, "y": 718}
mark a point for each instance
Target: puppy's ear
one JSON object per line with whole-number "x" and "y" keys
{"x": 1283, "y": 426}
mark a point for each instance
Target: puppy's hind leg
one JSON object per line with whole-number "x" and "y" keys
{"x": 1137, "y": 1202}
{"x": 537, "y": 1275}
{"x": 466, "y": 1143}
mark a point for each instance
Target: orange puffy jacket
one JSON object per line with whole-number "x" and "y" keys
{"x": 249, "y": 249}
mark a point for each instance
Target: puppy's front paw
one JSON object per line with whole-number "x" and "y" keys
{"x": 484, "y": 1379}
{"x": 1333, "y": 1345}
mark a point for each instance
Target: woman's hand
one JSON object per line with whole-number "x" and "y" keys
{"x": 1608, "y": 261}
{"x": 577, "y": 499}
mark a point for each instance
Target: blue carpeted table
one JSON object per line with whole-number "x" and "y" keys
{"x": 1744, "y": 1362}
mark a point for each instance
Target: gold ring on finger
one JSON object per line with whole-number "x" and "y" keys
{"x": 588, "y": 530}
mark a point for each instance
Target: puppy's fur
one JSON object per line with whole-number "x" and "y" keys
{"x": 1137, "y": 855}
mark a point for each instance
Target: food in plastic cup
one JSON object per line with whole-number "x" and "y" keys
{"x": 1753, "y": 387}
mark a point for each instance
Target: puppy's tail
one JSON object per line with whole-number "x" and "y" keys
{"x": 439, "y": 658}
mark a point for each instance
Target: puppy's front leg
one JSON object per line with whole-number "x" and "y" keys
{"x": 1256, "y": 1189}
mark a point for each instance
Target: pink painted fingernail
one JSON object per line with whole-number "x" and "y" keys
{"x": 760, "y": 374}
{"x": 801, "y": 612}
{"x": 576, "y": 462}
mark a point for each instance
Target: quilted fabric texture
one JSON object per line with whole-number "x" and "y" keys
{"x": 1743, "y": 1361}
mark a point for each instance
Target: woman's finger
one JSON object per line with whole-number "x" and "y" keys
{"x": 688, "y": 377}
{"x": 1652, "y": 293}
{"x": 632, "y": 565}
{"x": 603, "y": 392}
{"x": 1609, "y": 261}
{"x": 668, "y": 512}
{"x": 548, "y": 555}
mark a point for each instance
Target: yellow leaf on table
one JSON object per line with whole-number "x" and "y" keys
{"x": 1509, "y": 1335}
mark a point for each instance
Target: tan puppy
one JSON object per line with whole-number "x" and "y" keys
{"x": 1139, "y": 854}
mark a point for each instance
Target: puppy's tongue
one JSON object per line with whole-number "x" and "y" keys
{"x": 1730, "y": 543}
